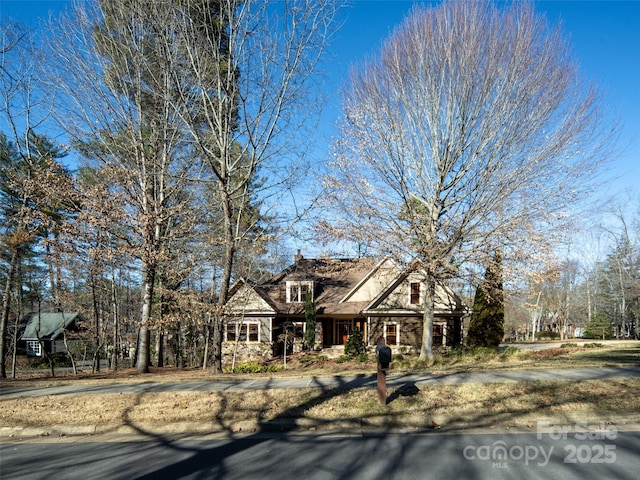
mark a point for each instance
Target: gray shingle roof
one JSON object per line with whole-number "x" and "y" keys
{"x": 47, "y": 326}
{"x": 333, "y": 279}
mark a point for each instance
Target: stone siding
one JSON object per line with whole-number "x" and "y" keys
{"x": 247, "y": 352}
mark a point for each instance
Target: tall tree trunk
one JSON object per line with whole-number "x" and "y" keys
{"x": 6, "y": 308}
{"x": 216, "y": 366}
{"x": 16, "y": 326}
{"x": 178, "y": 345}
{"x": 116, "y": 333}
{"x": 14, "y": 352}
{"x": 160, "y": 348}
{"x": 207, "y": 334}
{"x": 218, "y": 326}
{"x": 143, "y": 354}
{"x": 623, "y": 303}
{"x": 428, "y": 301}
{"x": 69, "y": 353}
{"x": 96, "y": 316}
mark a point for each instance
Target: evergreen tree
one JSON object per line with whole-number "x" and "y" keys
{"x": 486, "y": 328}
{"x": 599, "y": 327}
{"x": 310, "y": 317}
{"x": 355, "y": 344}
{"x": 34, "y": 199}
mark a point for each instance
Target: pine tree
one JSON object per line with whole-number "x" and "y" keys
{"x": 599, "y": 327}
{"x": 486, "y": 328}
{"x": 34, "y": 199}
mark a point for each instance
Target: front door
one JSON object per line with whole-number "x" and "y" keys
{"x": 343, "y": 330}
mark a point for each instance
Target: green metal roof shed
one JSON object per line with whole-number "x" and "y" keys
{"x": 48, "y": 326}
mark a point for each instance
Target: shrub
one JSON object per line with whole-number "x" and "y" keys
{"x": 362, "y": 358}
{"x": 592, "y": 345}
{"x": 483, "y": 353}
{"x": 510, "y": 351}
{"x": 255, "y": 367}
{"x": 568, "y": 345}
{"x": 355, "y": 344}
{"x": 458, "y": 352}
{"x": 313, "y": 358}
{"x": 343, "y": 358}
{"x": 548, "y": 335}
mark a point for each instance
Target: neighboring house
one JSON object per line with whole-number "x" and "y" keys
{"x": 378, "y": 298}
{"x": 45, "y": 330}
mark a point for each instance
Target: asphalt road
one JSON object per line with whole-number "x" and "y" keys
{"x": 333, "y": 382}
{"x": 582, "y": 452}
{"x": 549, "y": 450}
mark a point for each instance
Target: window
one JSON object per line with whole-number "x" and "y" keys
{"x": 297, "y": 291}
{"x": 249, "y": 331}
{"x": 438, "y": 334}
{"x": 391, "y": 333}
{"x": 414, "y": 293}
{"x": 299, "y": 329}
{"x": 34, "y": 348}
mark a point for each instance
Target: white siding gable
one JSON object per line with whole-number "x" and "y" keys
{"x": 246, "y": 300}
{"x": 374, "y": 282}
{"x": 398, "y": 299}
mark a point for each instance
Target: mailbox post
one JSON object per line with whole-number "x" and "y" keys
{"x": 382, "y": 385}
{"x": 383, "y": 357}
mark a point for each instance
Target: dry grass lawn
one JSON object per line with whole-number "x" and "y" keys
{"x": 475, "y": 400}
{"x": 223, "y": 407}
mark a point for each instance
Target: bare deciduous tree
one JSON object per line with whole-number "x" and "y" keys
{"x": 621, "y": 269}
{"x": 116, "y": 71}
{"x": 246, "y": 98}
{"x": 162, "y": 94}
{"x": 471, "y": 130}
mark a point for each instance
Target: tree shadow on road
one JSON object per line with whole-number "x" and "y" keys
{"x": 210, "y": 463}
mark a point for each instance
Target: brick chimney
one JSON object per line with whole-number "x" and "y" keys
{"x": 298, "y": 257}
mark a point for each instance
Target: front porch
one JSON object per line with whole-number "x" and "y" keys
{"x": 335, "y": 331}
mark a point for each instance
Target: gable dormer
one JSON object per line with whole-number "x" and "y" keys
{"x": 297, "y": 290}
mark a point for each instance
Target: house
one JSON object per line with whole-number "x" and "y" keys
{"x": 378, "y": 298}
{"x": 45, "y": 330}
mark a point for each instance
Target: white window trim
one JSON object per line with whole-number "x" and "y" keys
{"x": 397, "y": 324}
{"x": 419, "y": 295}
{"x": 34, "y": 347}
{"x": 238, "y": 327}
{"x": 302, "y": 325}
{"x": 298, "y": 283}
{"x": 444, "y": 331}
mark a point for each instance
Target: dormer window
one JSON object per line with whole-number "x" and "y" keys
{"x": 414, "y": 293}
{"x": 297, "y": 291}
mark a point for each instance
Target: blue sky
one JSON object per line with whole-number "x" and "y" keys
{"x": 605, "y": 36}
